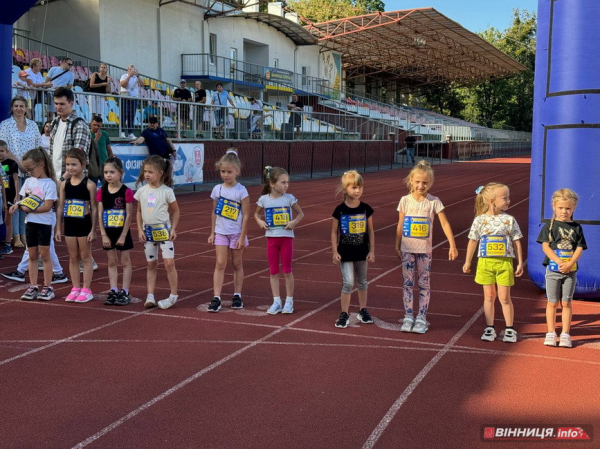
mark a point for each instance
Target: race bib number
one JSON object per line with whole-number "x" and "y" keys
{"x": 157, "y": 233}
{"x": 228, "y": 209}
{"x": 493, "y": 246}
{"x": 353, "y": 224}
{"x": 113, "y": 218}
{"x": 416, "y": 227}
{"x": 74, "y": 208}
{"x": 32, "y": 202}
{"x": 565, "y": 256}
{"x": 277, "y": 216}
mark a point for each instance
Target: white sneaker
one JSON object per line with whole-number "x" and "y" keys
{"x": 510, "y": 336}
{"x": 166, "y": 303}
{"x": 132, "y": 136}
{"x": 275, "y": 308}
{"x": 489, "y": 334}
{"x": 407, "y": 324}
{"x": 150, "y": 302}
{"x": 288, "y": 307}
{"x": 421, "y": 325}
{"x": 565, "y": 341}
{"x": 94, "y": 266}
{"x": 123, "y": 136}
{"x": 550, "y": 339}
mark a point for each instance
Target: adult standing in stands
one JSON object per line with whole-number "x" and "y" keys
{"x": 99, "y": 84}
{"x": 410, "y": 141}
{"x": 200, "y": 98}
{"x": 59, "y": 76}
{"x": 221, "y": 98}
{"x": 183, "y": 94}
{"x": 296, "y": 106}
{"x": 131, "y": 83}
{"x": 156, "y": 140}
{"x": 20, "y": 135}
{"x": 36, "y": 80}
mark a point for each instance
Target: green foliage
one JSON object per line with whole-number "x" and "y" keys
{"x": 325, "y": 10}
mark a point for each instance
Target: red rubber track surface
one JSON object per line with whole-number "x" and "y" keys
{"x": 74, "y": 375}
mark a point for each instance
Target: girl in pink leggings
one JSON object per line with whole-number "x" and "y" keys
{"x": 279, "y": 225}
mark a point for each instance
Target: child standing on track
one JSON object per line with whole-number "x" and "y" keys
{"x": 77, "y": 208}
{"x": 10, "y": 180}
{"x": 39, "y": 194}
{"x": 279, "y": 226}
{"x": 229, "y": 225}
{"x": 494, "y": 232}
{"x": 353, "y": 245}
{"x": 416, "y": 214}
{"x": 562, "y": 242}
{"x": 157, "y": 219}
{"x": 115, "y": 212}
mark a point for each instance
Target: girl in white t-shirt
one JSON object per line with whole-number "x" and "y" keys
{"x": 157, "y": 219}
{"x": 38, "y": 196}
{"x": 278, "y": 206}
{"x": 417, "y": 212}
{"x": 229, "y": 225}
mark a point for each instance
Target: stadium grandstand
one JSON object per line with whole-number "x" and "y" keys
{"x": 267, "y": 55}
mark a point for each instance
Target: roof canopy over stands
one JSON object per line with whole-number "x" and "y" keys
{"x": 413, "y": 47}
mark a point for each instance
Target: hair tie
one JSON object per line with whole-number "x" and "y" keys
{"x": 231, "y": 151}
{"x": 478, "y": 190}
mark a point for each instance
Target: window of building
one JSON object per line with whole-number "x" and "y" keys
{"x": 276, "y": 63}
{"x": 212, "y": 47}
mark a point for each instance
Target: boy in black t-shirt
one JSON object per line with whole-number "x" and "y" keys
{"x": 10, "y": 179}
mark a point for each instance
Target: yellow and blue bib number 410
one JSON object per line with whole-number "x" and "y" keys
{"x": 277, "y": 216}
{"x": 157, "y": 233}
{"x": 493, "y": 246}
{"x": 114, "y": 218}
{"x": 74, "y": 208}
{"x": 353, "y": 224}
{"x": 565, "y": 256}
{"x": 228, "y": 208}
{"x": 416, "y": 227}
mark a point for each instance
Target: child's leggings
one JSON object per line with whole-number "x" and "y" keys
{"x": 352, "y": 271}
{"x": 280, "y": 247}
{"x": 423, "y": 265}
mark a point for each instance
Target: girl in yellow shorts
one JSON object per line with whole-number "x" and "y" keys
{"x": 494, "y": 233}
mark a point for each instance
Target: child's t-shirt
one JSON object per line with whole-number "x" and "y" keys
{"x": 501, "y": 225}
{"x": 114, "y": 201}
{"x": 353, "y": 229}
{"x": 278, "y": 211}
{"x": 566, "y": 235}
{"x": 9, "y": 168}
{"x": 229, "y": 208}
{"x": 418, "y": 223}
{"x": 44, "y": 188}
{"x": 154, "y": 204}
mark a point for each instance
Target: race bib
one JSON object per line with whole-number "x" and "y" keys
{"x": 5, "y": 180}
{"x": 74, "y": 208}
{"x": 228, "y": 209}
{"x": 277, "y": 216}
{"x": 493, "y": 246}
{"x": 353, "y": 224}
{"x": 32, "y": 202}
{"x": 114, "y": 218}
{"x": 565, "y": 256}
{"x": 416, "y": 227}
{"x": 157, "y": 233}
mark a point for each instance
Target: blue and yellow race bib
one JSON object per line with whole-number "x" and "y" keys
{"x": 157, "y": 233}
{"x": 416, "y": 227}
{"x": 74, "y": 208}
{"x": 565, "y": 256}
{"x": 228, "y": 208}
{"x": 5, "y": 179}
{"x": 277, "y": 216}
{"x": 353, "y": 224}
{"x": 493, "y": 246}
{"x": 114, "y": 218}
{"x": 32, "y": 202}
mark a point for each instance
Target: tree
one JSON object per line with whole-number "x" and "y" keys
{"x": 325, "y": 10}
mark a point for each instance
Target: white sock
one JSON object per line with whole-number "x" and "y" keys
{"x": 149, "y": 297}
{"x": 276, "y": 300}
{"x": 173, "y": 296}
{"x": 238, "y": 294}
{"x": 289, "y": 299}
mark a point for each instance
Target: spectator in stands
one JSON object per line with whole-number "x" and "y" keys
{"x": 152, "y": 110}
{"x": 99, "y": 84}
{"x": 23, "y": 91}
{"x": 200, "y": 98}
{"x": 102, "y": 141}
{"x": 183, "y": 94}
{"x": 410, "y": 141}
{"x": 36, "y": 80}
{"x": 221, "y": 98}
{"x": 60, "y": 76}
{"x": 254, "y": 119}
{"x": 296, "y": 117}
{"x": 156, "y": 140}
{"x": 131, "y": 83}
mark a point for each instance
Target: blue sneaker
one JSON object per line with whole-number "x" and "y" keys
{"x": 6, "y": 249}
{"x": 288, "y": 307}
{"x": 275, "y": 309}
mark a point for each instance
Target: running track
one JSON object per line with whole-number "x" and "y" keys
{"x": 90, "y": 375}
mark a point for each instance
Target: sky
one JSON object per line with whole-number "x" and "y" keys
{"x": 474, "y": 15}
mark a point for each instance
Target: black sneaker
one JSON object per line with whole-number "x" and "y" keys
{"x": 215, "y": 305}
{"x": 30, "y": 294}
{"x": 123, "y": 298}
{"x": 15, "y": 276}
{"x": 236, "y": 302}
{"x": 59, "y": 278}
{"x": 342, "y": 321}
{"x": 111, "y": 298}
{"x": 364, "y": 316}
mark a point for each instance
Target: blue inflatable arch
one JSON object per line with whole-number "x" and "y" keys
{"x": 566, "y": 129}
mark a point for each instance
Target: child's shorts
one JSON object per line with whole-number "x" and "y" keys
{"x": 151, "y": 250}
{"x": 559, "y": 286}
{"x": 113, "y": 234}
{"x": 230, "y": 240}
{"x": 495, "y": 270}
{"x": 78, "y": 227}
{"x": 38, "y": 234}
